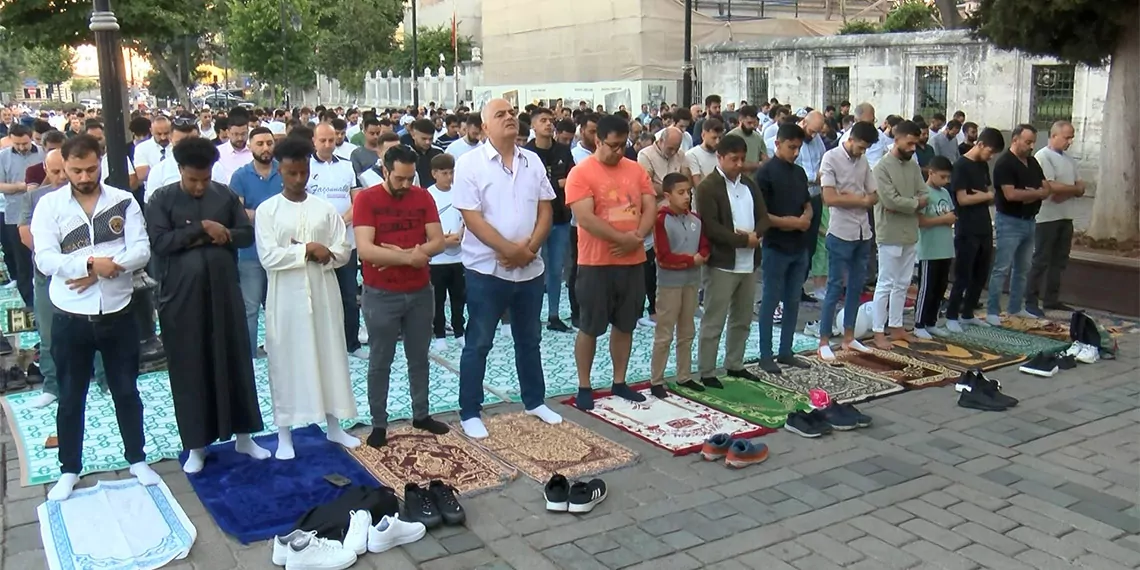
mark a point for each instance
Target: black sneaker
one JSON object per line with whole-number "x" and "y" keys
{"x": 585, "y": 496}
{"x": 37, "y": 377}
{"x": 974, "y": 393}
{"x": 17, "y": 378}
{"x": 802, "y": 425}
{"x": 419, "y": 507}
{"x": 555, "y": 324}
{"x": 838, "y": 418}
{"x": 820, "y": 420}
{"x": 793, "y": 361}
{"x": 696, "y": 386}
{"x": 557, "y": 493}
{"x": 862, "y": 420}
{"x": 1066, "y": 361}
{"x": 1044, "y": 365}
{"x": 712, "y": 382}
{"x": 431, "y": 425}
{"x": 743, "y": 375}
{"x": 447, "y": 503}
{"x": 378, "y": 438}
{"x": 994, "y": 388}
{"x": 769, "y": 365}
{"x": 659, "y": 392}
{"x": 5, "y": 346}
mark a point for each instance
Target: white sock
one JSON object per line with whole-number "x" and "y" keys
{"x": 545, "y": 414}
{"x": 858, "y": 346}
{"x": 246, "y": 445}
{"x": 474, "y": 428}
{"x": 285, "y": 444}
{"x": 63, "y": 488}
{"x": 1025, "y": 314}
{"x": 923, "y": 334}
{"x": 825, "y": 353}
{"x": 336, "y": 434}
{"x": 145, "y": 474}
{"x": 44, "y": 400}
{"x": 993, "y": 320}
{"x": 195, "y": 461}
{"x": 953, "y": 326}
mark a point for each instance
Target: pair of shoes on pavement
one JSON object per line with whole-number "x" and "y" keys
{"x": 822, "y": 421}
{"x": 579, "y": 497}
{"x": 1047, "y": 365}
{"x": 736, "y": 453}
{"x": 301, "y": 550}
{"x": 434, "y": 506}
{"x": 980, "y": 393}
{"x": 1083, "y": 353}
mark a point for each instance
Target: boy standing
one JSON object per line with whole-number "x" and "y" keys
{"x": 681, "y": 250}
{"x": 935, "y": 247}
{"x": 447, "y": 266}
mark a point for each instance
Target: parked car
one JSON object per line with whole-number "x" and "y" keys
{"x": 223, "y": 100}
{"x": 91, "y": 104}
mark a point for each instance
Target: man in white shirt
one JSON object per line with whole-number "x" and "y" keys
{"x": 95, "y": 129}
{"x": 1054, "y": 232}
{"x": 332, "y": 178}
{"x": 154, "y": 150}
{"x": 343, "y": 148}
{"x": 166, "y": 172}
{"x": 472, "y": 136}
{"x": 235, "y": 153}
{"x": 206, "y": 124}
{"x": 89, "y": 238}
{"x": 504, "y": 195}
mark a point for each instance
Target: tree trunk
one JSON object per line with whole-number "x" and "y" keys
{"x": 948, "y": 9}
{"x": 1116, "y": 209}
{"x": 172, "y": 75}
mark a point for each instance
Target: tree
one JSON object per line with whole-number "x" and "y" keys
{"x": 855, "y": 27}
{"x": 51, "y": 65}
{"x": 12, "y": 61}
{"x": 260, "y": 44}
{"x": 432, "y": 43}
{"x": 948, "y": 10}
{"x": 910, "y": 16}
{"x": 356, "y": 38}
{"x": 1092, "y": 32}
{"x": 84, "y": 84}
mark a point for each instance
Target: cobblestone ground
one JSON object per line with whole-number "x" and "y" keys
{"x": 1051, "y": 484}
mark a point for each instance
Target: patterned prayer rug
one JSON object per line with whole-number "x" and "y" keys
{"x": 1005, "y": 341}
{"x": 674, "y": 424}
{"x": 757, "y": 402}
{"x": 540, "y": 450}
{"x": 955, "y": 356}
{"x": 898, "y": 368}
{"x": 414, "y": 456}
{"x": 844, "y": 383}
{"x": 1115, "y": 324}
{"x": 1037, "y": 327}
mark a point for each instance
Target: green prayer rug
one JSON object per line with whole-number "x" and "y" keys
{"x": 843, "y": 382}
{"x": 757, "y": 402}
{"x": 1005, "y": 341}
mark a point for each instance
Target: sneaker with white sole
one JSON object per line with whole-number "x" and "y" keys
{"x": 938, "y": 331}
{"x": 1073, "y": 350}
{"x": 281, "y": 546}
{"x": 646, "y": 322}
{"x": 439, "y": 345}
{"x": 362, "y": 336}
{"x": 311, "y": 552}
{"x": 1089, "y": 354}
{"x": 391, "y": 532}
{"x": 1043, "y": 365}
{"x": 557, "y": 493}
{"x": 356, "y": 539}
{"x": 923, "y": 334}
{"x": 585, "y": 496}
{"x": 812, "y": 329}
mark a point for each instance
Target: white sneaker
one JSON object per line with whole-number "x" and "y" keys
{"x": 976, "y": 322}
{"x": 993, "y": 320}
{"x": 462, "y": 341}
{"x": 859, "y": 347}
{"x": 506, "y": 330}
{"x": 1073, "y": 350}
{"x": 474, "y": 428}
{"x": 313, "y": 553}
{"x": 923, "y": 334}
{"x": 1023, "y": 314}
{"x": 281, "y": 545}
{"x": 1088, "y": 354}
{"x": 362, "y": 336}
{"x": 938, "y": 331}
{"x": 812, "y": 329}
{"x": 356, "y": 539}
{"x": 391, "y": 532}
{"x": 361, "y": 353}
{"x": 646, "y": 322}
{"x": 10, "y": 285}
{"x": 44, "y": 400}
{"x": 439, "y": 345}
{"x": 954, "y": 326}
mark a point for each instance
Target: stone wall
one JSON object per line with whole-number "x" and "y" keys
{"x": 993, "y": 87}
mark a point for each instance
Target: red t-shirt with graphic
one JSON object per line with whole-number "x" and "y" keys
{"x": 400, "y": 222}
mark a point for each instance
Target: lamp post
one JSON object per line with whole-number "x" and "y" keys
{"x": 415, "y": 60}
{"x": 687, "y": 67}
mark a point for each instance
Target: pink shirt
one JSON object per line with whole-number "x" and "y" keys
{"x": 229, "y": 161}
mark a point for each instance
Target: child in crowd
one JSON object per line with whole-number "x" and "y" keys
{"x": 447, "y": 267}
{"x": 681, "y": 249}
{"x": 935, "y": 247}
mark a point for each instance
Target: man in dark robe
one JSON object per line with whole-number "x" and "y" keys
{"x": 196, "y": 227}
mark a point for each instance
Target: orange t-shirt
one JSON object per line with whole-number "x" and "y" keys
{"x": 617, "y": 192}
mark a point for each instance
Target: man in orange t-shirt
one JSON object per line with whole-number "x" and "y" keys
{"x": 615, "y": 206}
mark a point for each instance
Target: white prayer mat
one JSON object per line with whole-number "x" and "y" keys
{"x": 115, "y": 525}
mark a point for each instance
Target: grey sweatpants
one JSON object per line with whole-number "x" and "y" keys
{"x": 386, "y": 315}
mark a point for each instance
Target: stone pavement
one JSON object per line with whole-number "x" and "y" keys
{"x": 1051, "y": 484}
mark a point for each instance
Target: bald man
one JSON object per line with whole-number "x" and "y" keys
{"x": 810, "y": 159}
{"x": 660, "y": 159}
{"x": 334, "y": 179}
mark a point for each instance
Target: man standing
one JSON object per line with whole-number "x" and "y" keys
{"x": 205, "y": 126}
{"x": 902, "y": 194}
{"x": 367, "y": 154}
{"x": 702, "y": 159}
{"x": 733, "y": 218}
{"x": 615, "y": 204}
{"x": 421, "y": 132}
{"x": 196, "y": 227}
{"x": 472, "y": 136}
{"x": 333, "y": 179}
{"x": 865, "y": 113}
{"x": 255, "y": 183}
{"x": 235, "y": 153}
{"x": 343, "y": 148}
{"x": 587, "y": 144}
{"x": 558, "y": 161}
{"x": 152, "y": 151}
{"x": 167, "y": 172}
{"x": 972, "y": 193}
{"x": 504, "y": 194}
{"x": 14, "y": 163}
{"x": 945, "y": 141}
{"x": 89, "y": 240}
{"x": 1054, "y": 232}
{"x": 810, "y": 159}
{"x": 1020, "y": 187}
{"x": 757, "y": 153}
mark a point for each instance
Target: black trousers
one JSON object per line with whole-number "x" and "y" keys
{"x": 972, "y": 257}
{"x": 9, "y": 251}
{"x": 448, "y": 281}
{"x": 75, "y": 340}
{"x": 1053, "y": 241}
{"x": 813, "y": 230}
{"x": 934, "y": 276}
{"x": 572, "y": 281}
{"x": 23, "y": 270}
{"x": 650, "y": 270}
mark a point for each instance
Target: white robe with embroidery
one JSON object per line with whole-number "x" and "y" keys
{"x": 304, "y": 317}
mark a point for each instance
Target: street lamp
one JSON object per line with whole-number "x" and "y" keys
{"x": 415, "y": 60}
{"x": 687, "y": 66}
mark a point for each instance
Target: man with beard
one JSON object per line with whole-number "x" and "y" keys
{"x": 235, "y": 153}
{"x": 167, "y": 171}
{"x": 747, "y": 130}
{"x": 558, "y": 161}
{"x": 902, "y": 194}
{"x": 255, "y": 183}
{"x": 196, "y": 227}
{"x": 969, "y": 136}
{"x": 421, "y": 132}
{"x": 472, "y": 136}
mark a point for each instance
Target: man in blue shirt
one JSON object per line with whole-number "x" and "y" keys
{"x": 255, "y": 183}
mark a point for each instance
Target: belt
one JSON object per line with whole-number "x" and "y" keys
{"x": 94, "y": 318}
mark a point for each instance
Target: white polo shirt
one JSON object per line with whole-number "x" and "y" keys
{"x": 451, "y": 221}
{"x": 333, "y": 181}
{"x": 460, "y": 146}
{"x": 105, "y": 167}
{"x": 508, "y": 200}
{"x": 345, "y": 149}
{"x": 148, "y": 153}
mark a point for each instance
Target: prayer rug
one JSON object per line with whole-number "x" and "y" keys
{"x": 758, "y": 402}
{"x": 896, "y": 367}
{"x": 1005, "y": 341}
{"x": 674, "y": 424}
{"x": 115, "y": 525}
{"x": 414, "y": 456}
{"x": 540, "y": 450}
{"x": 1037, "y": 327}
{"x": 844, "y": 383}
{"x": 955, "y": 356}
{"x": 1115, "y": 324}
{"x": 254, "y": 500}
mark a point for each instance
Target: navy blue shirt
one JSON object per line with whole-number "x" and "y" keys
{"x": 253, "y": 190}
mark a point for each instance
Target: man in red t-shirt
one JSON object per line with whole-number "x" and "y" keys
{"x": 397, "y": 231}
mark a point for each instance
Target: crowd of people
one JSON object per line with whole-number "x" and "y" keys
{"x": 650, "y": 220}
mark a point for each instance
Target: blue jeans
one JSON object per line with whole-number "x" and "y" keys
{"x": 554, "y": 258}
{"x": 845, "y": 260}
{"x": 487, "y": 298}
{"x": 254, "y": 286}
{"x": 782, "y": 277}
{"x": 1014, "y": 250}
{"x": 346, "y": 278}
{"x": 45, "y": 312}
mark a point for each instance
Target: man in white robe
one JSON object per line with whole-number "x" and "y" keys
{"x": 301, "y": 240}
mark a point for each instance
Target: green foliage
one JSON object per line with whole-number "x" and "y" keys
{"x": 83, "y": 84}
{"x": 12, "y": 61}
{"x": 51, "y": 65}
{"x": 1080, "y": 31}
{"x": 356, "y": 38}
{"x": 910, "y": 16}
{"x": 432, "y": 42}
{"x": 261, "y": 45}
{"x": 855, "y": 27}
